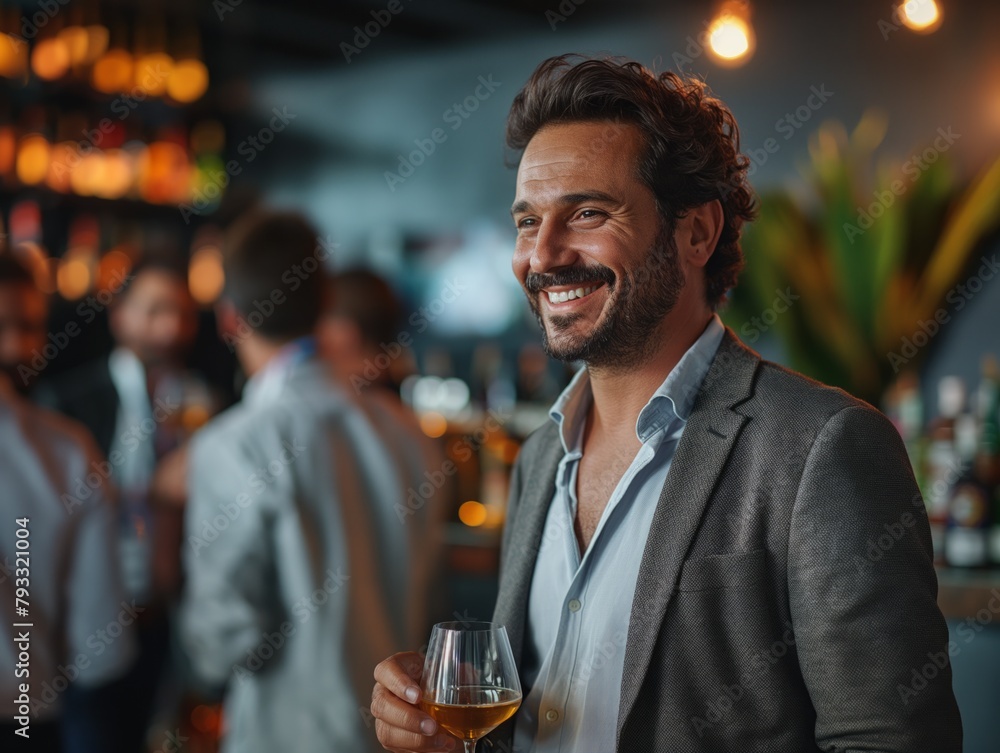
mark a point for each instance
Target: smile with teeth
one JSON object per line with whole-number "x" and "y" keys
{"x": 571, "y": 295}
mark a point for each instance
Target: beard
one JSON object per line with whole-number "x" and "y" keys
{"x": 628, "y": 333}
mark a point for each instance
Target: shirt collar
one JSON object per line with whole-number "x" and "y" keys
{"x": 270, "y": 380}
{"x": 673, "y": 400}
{"x": 129, "y": 377}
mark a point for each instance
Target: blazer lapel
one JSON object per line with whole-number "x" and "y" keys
{"x": 538, "y": 477}
{"x": 709, "y": 436}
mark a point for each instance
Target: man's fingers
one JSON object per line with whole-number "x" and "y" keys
{"x": 396, "y": 712}
{"x": 399, "y": 724}
{"x": 398, "y": 674}
{"x": 395, "y": 739}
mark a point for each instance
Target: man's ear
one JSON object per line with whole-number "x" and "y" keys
{"x": 699, "y": 232}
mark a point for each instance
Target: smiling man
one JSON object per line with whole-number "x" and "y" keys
{"x": 679, "y": 568}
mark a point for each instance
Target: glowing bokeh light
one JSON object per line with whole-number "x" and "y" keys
{"x": 923, "y": 16}
{"x": 205, "y": 276}
{"x": 473, "y": 513}
{"x": 729, "y": 38}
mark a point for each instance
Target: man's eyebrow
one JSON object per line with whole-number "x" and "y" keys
{"x": 569, "y": 199}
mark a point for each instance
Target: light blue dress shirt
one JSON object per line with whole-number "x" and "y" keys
{"x": 578, "y": 608}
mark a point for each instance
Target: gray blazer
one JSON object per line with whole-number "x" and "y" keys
{"x": 760, "y": 623}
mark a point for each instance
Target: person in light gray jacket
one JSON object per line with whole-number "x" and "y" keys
{"x": 66, "y": 622}
{"x": 304, "y": 561}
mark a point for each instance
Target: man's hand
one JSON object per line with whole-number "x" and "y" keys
{"x": 400, "y": 725}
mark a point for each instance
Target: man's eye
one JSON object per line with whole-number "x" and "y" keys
{"x": 525, "y": 222}
{"x": 588, "y": 214}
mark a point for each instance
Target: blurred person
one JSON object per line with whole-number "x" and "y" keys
{"x": 301, "y": 548}
{"x": 56, "y": 543}
{"x": 683, "y": 565}
{"x": 133, "y": 402}
{"x": 361, "y": 319}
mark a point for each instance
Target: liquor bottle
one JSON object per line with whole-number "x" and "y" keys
{"x": 908, "y": 416}
{"x": 942, "y": 463}
{"x": 989, "y": 443}
{"x": 968, "y": 536}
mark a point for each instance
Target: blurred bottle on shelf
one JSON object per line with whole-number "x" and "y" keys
{"x": 970, "y": 511}
{"x": 989, "y": 465}
{"x": 904, "y": 407}
{"x": 942, "y": 461}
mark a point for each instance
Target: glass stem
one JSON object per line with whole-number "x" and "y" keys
{"x": 470, "y": 745}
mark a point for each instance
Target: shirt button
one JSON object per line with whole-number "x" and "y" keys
{"x": 552, "y": 715}
{"x": 574, "y": 605}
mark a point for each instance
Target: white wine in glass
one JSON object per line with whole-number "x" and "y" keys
{"x": 470, "y": 683}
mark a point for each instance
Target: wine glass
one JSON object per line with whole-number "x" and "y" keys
{"x": 470, "y": 683}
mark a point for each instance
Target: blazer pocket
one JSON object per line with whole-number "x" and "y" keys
{"x": 722, "y": 571}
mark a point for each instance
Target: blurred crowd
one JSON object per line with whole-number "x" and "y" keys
{"x": 259, "y": 554}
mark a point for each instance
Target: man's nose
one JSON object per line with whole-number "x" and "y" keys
{"x": 552, "y": 250}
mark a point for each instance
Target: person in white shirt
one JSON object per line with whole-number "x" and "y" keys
{"x": 303, "y": 563}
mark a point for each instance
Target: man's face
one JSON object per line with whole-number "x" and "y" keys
{"x": 587, "y": 225}
{"x": 23, "y": 315}
{"x": 156, "y": 319}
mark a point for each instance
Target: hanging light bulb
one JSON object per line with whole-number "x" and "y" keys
{"x": 97, "y": 43}
{"x": 75, "y": 274}
{"x": 205, "y": 275}
{"x": 152, "y": 72}
{"x": 921, "y": 16}
{"x": 112, "y": 73}
{"x": 13, "y": 56}
{"x": 33, "y": 155}
{"x": 188, "y": 80}
{"x": 730, "y": 35}
{"x": 8, "y": 149}
{"x": 77, "y": 42}
{"x": 50, "y": 58}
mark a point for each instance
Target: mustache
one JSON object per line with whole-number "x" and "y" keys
{"x": 536, "y": 282}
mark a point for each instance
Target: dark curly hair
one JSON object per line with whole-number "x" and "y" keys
{"x": 692, "y": 153}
